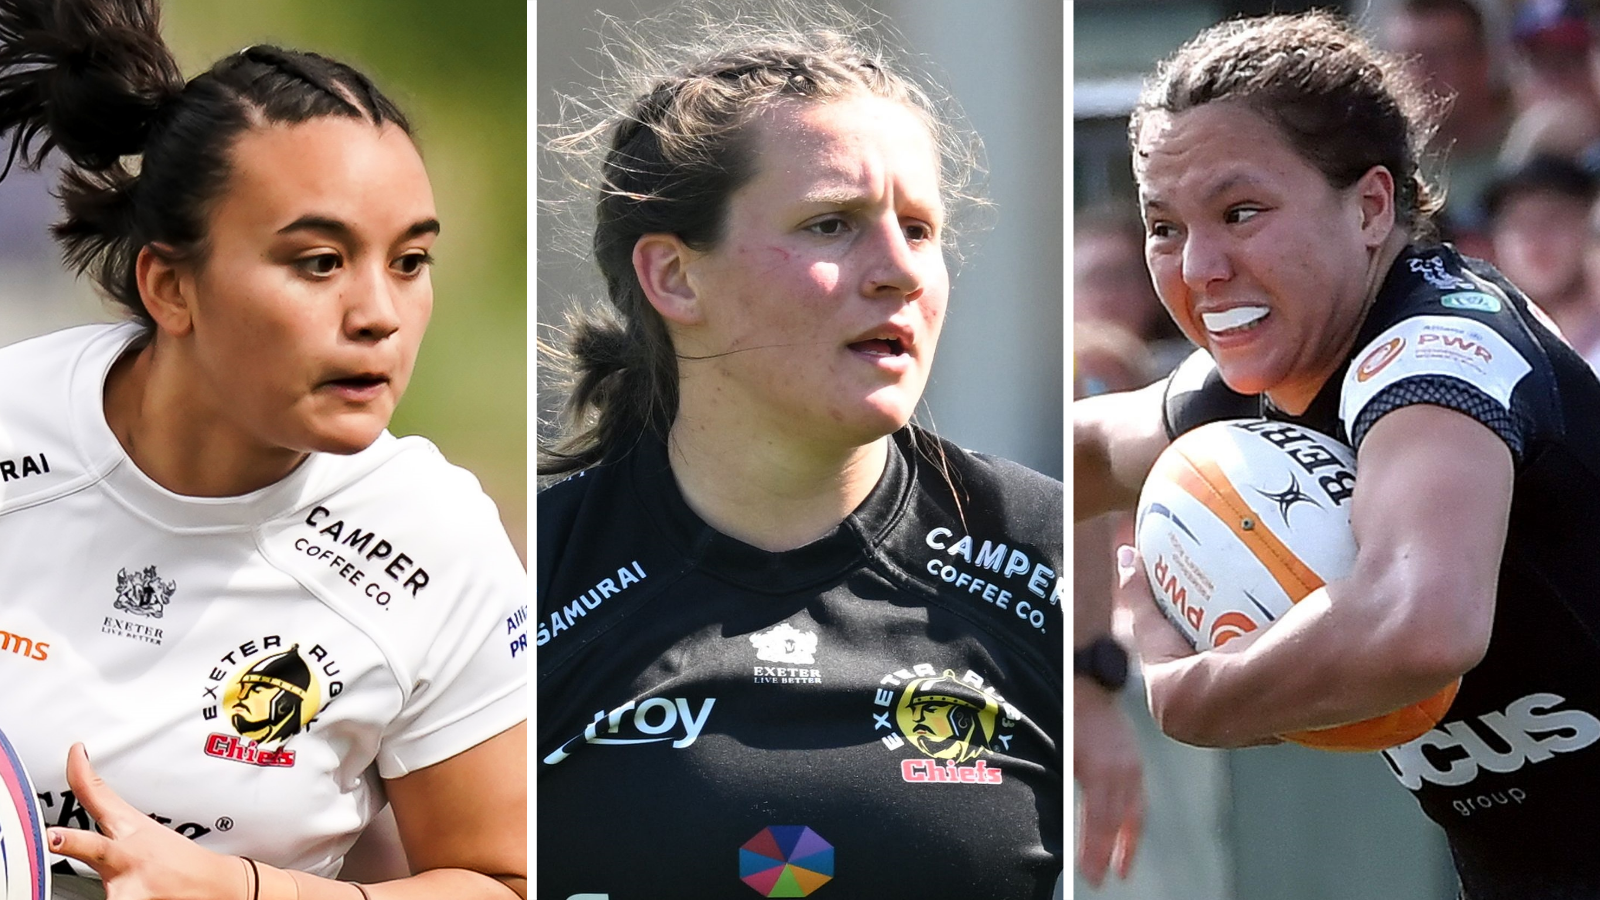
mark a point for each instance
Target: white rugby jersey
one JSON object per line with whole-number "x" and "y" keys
{"x": 245, "y": 669}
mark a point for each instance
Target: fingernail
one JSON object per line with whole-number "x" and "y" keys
{"x": 55, "y": 838}
{"x": 1124, "y": 557}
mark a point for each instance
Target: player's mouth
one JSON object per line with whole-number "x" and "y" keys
{"x": 1234, "y": 321}
{"x": 358, "y": 388}
{"x": 879, "y": 347}
{"x": 887, "y": 346}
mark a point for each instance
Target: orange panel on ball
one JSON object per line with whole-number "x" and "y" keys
{"x": 1381, "y": 732}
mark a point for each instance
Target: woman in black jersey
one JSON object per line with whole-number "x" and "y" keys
{"x": 1287, "y": 232}
{"x": 265, "y": 227}
{"x": 785, "y": 639}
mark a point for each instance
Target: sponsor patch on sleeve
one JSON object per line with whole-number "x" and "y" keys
{"x": 1434, "y": 345}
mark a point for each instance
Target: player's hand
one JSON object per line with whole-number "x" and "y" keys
{"x": 137, "y": 858}
{"x": 1164, "y": 653}
{"x": 1156, "y": 640}
{"x": 1105, "y": 764}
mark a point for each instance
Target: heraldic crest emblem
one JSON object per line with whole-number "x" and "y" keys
{"x": 143, "y": 593}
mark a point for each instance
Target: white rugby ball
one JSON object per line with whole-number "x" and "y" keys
{"x": 24, "y": 864}
{"x": 1241, "y": 519}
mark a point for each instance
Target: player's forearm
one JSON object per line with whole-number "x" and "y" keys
{"x": 1331, "y": 660}
{"x": 457, "y": 884}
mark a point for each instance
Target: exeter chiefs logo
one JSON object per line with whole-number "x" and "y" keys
{"x": 273, "y": 699}
{"x": 143, "y": 593}
{"x": 949, "y": 719}
{"x": 273, "y": 696}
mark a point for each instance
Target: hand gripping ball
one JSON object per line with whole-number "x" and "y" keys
{"x": 1238, "y": 521}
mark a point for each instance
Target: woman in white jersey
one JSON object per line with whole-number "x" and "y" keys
{"x": 254, "y": 615}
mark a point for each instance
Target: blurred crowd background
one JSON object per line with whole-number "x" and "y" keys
{"x": 459, "y": 71}
{"x": 996, "y": 385}
{"x": 1518, "y": 153}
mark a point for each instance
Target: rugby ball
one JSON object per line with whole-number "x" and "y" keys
{"x": 24, "y": 868}
{"x": 1240, "y": 520}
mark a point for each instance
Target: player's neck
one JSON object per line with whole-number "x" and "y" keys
{"x": 771, "y": 494}
{"x": 178, "y": 439}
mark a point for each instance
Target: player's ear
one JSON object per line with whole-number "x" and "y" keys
{"x": 166, "y": 288}
{"x": 1373, "y": 194}
{"x": 661, "y": 262}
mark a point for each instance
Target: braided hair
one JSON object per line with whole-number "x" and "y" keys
{"x": 148, "y": 151}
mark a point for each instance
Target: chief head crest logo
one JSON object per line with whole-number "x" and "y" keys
{"x": 143, "y": 593}
{"x": 267, "y": 694}
{"x": 946, "y": 718}
{"x": 273, "y": 699}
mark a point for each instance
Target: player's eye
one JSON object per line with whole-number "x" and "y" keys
{"x": 413, "y": 263}
{"x": 828, "y": 226}
{"x": 319, "y": 265}
{"x": 1237, "y": 215}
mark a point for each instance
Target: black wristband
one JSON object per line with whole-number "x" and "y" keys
{"x": 1103, "y": 661}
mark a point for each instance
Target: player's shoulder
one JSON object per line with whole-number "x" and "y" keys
{"x": 984, "y": 536}
{"x": 395, "y": 527}
{"x": 409, "y": 478}
{"x": 50, "y": 413}
{"x": 985, "y": 487}
{"x": 37, "y": 374}
{"x": 605, "y": 542}
{"x": 1440, "y": 281}
{"x": 1441, "y": 315}
{"x": 583, "y": 509}
{"x": 560, "y": 500}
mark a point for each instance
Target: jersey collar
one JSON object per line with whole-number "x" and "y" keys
{"x": 827, "y": 558}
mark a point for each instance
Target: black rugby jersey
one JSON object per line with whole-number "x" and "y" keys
{"x": 1512, "y": 772}
{"x": 876, "y": 714}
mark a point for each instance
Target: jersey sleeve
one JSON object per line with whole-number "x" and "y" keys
{"x": 1456, "y": 362}
{"x": 1196, "y": 395}
{"x": 470, "y": 682}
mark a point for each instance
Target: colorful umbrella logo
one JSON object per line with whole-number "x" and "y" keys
{"x": 786, "y": 861}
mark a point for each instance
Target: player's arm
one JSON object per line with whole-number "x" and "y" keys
{"x": 1115, "y": 440}
{"x": 463, "y": 819}
{"x": 1105, "y": 752}
{"x": 1431, "y": 503}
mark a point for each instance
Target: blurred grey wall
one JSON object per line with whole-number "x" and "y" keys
{"x": 997, "y": 380}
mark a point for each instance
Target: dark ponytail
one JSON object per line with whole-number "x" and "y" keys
{"x": 94, "y": 79}
{"x": 91, "y": 77}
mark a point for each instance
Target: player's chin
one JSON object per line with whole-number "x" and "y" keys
{"x": 346, "y": 433}
{"x": 1245, "y": 375}
{"x": 885, "y": 412}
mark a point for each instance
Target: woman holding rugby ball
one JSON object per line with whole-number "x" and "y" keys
{"x": 250, "y": 626}
{"x": 761, "y": 593}
{"x": 1287, "y": 232}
